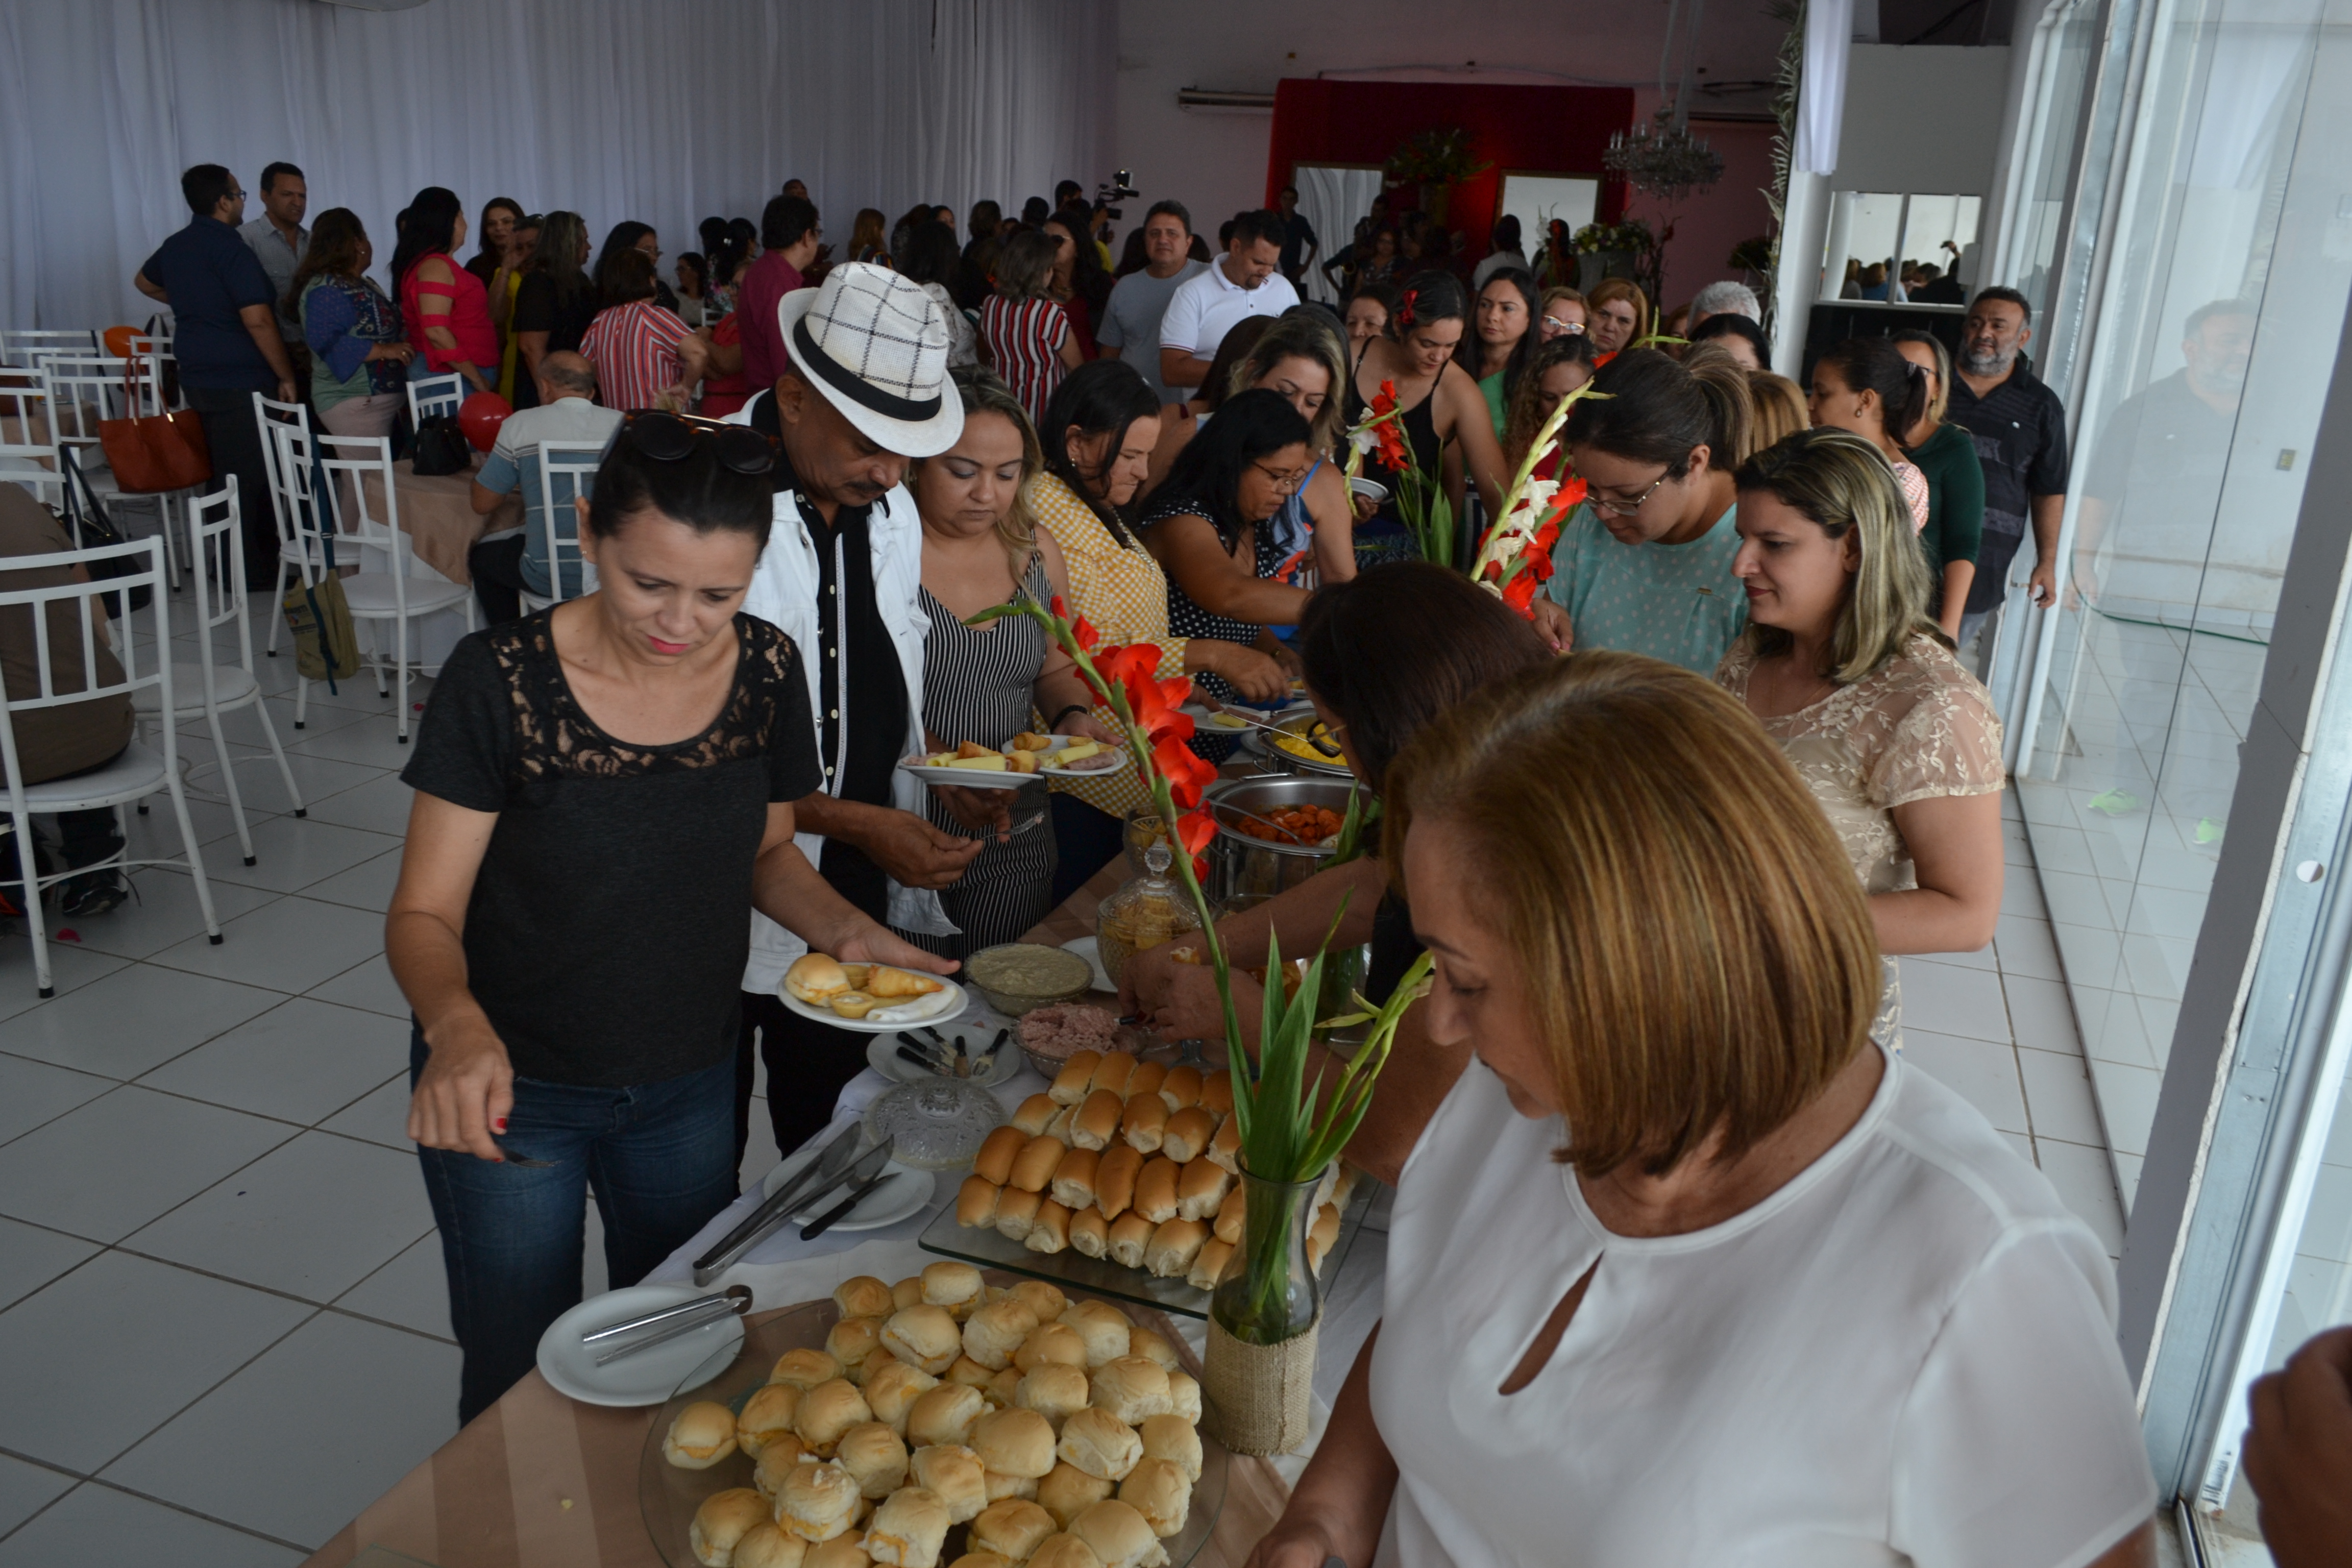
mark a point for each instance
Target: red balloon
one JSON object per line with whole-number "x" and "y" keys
{"x": 118, "y": 341}
{"x": 480, "y": 417}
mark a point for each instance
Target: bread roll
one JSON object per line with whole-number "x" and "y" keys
{"x": 1152, "y": 1348}
{"x": 969, "y": 1373}
{"x": 847, "y": 1549}
{"x": 724, "y": 1518}
{"x": 1113, "y": 1071}
{"x": 1320, "y": 1238}
{"x": 1090, "y": 1234}
{"x": 1226, "y": 1148}
{"x": 1034, "y": 1166}
{"x": 779, "y": 1458}
{"x": 1059, "y": 1127}
{"x": 994, "y": 1161}
{"x": 1182, "y": 1088}
{"x": 953, "y": 1285}
{"x": 1130, "y": 1233}
{"x": 875, "y": 1456}
{"x": 1209, "y": 1267}
{"x": 993, "y": 1333}
{"x": 1012, "y": 1529}
{"x": 975, "y": 1203}
{"x": 1044, "y": 1299}
{"x": 1055, "y": 1390}
{"x": 1004, "y": 1386}
{"x": 984, "y": 1560}
{"x": 1063, "y": 1551}
{"x": 701, "y": 1435}
{"x": 852, "y": 1341}
{"x": 1202, "y": 1190}
{"x": 818, "y": 1502}
{"x": 864, "y": 1296}
{"x": 1077, "y": 1073}
{"x": 1015, "y": 1442}
{"x": 1120, "y": 1536}
{"x": 768, "y": 1414}
{"x": 1155, "y": 1189}
{"x": 1229, "y": 1214}
{"x": 1115, "y": 1174}
{"x": 1130, "y": 1388}
{"x": 1146, "y": 1079}
{"x": 1143, "y": 1125}
{"x": 945, "y": 1416}
{"x": 767, "y": 1546}
{"x": 906, "y": 1293}
{"x": 813, "y": 978}
{"x": 1184, "y": 1393}
{"x": 1068, "y": 1491}
{"x": 1174, "y": 1439}
{"x": 827, "y": 1411}
{"x": 1174, "y": 1246}
{"x": 1102, "y": 1326}
{"x": 803, "y": 1369}
{"x": 1096, "y": 1121}
{"x": 1001, "y": 1486}
{"x": 1051, "y": 1343}
{"x": 924, "y": 1336}
{"x": 892, "y": 1391}
{"x": 1073, "y": 1179}
{"x": 908, "y": 1529}
{"x": 1016, "y": 1211}
{"x": 1187, "y": 1136}
{"x": 955, "y": 1474}
{"x": 1100, "y": 1444}
{"x": 1217, "y": 1092}
{"x": 1051, "y": 1231}
{"x": 1034, "y": 1112}
{"x": 1161, "y": 1493}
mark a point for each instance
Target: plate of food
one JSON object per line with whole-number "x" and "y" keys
{"x": 824, "y": 1437}
{"x": 867, "y": 998}
{"x": 1212, "y": 721}
{"x": 1025, "y": 757}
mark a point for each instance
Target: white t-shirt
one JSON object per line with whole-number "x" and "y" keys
{"x": 1205, "y": 307}
{"x": 1907, "y": 1355}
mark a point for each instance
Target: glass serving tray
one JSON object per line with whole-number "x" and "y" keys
{"x": 668, "y": 1496}
{"x": 1075, "y": 1271}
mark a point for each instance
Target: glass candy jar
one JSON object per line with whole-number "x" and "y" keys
{"x": 1145, "y": 913}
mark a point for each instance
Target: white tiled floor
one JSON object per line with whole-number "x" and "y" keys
{"x": 210, "y": 1225}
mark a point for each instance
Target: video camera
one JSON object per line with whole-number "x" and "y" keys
{"x": 1117, "y": 188}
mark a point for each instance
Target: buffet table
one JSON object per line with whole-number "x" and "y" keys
{"x": 541, "y": 1481}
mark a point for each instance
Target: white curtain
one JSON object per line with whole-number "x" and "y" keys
{"x": 667, "y": 112}
{"x": 1820, "y": 94}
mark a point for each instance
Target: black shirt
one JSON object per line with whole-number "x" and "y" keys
{"x": 1394, "y": 948}
{"x": 605, "y": 937}
{"x": 2020, "y": 428}
{"x": 849, "y": 626}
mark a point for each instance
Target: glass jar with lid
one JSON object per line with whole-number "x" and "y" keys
{"x": 1146, "y": 912}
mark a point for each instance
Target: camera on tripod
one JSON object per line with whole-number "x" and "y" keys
{"x": 1117, "y": 188}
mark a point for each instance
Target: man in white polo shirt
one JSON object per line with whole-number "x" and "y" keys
{"x": 1242, "y": 282}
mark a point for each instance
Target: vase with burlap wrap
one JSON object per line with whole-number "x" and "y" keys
{"x": 1263, "y": 1317}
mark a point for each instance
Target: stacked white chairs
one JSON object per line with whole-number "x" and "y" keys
{"x": 566, "y": 469}
{"x": 26, "y": 347}
{"x": 28, "y": 456}
{"x": 72, "y": 616}
{"x": 434, "y": 395}
{"x": 267, "y": 414}
{"x": 214, "y": 686}
{"x": 350, "y": 484}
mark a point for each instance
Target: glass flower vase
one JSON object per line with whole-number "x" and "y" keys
{"x": 1263, "y": 1318}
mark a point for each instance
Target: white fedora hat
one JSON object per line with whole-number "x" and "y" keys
{"x": 872, "y": 344}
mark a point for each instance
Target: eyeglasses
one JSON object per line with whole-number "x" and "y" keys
{"x": 1284, "y": 484}
{"x": 1555, "y": 328}
{"x": 1626, "y": 508}
{"x": 669, "y": 438}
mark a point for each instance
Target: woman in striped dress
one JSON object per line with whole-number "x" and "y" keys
{"x": 989, "y": 683}
{"x": 1025, "y": 333}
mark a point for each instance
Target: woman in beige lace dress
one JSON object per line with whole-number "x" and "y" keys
{"x": 1840, "y": 663}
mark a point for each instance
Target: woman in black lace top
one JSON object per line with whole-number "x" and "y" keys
{"x": 604, "y": 794}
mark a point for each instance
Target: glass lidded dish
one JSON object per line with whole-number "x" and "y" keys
{"x": 1018, "y": 977}
{"x": 1146, "y": 912}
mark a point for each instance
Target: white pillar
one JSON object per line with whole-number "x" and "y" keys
{"x": 1804, "y": 226}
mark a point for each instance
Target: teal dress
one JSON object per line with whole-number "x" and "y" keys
{"x": 1675, "y": 601}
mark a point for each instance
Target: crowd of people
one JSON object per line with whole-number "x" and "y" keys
{"x": 815, "y": 470}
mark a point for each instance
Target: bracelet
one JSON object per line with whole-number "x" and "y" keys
{"x": 1054, "y": 725}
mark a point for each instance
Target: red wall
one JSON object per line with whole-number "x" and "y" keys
{"x": 1539, "y": 130}
{"x": 1706, "y": 226}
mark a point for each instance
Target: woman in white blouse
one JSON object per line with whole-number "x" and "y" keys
{"x": 1685, "y": 1269}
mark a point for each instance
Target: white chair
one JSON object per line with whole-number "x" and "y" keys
{"x": 357, "y": 473}
{"x": 434, "y": 395}
{"x": 208, "y": 688}
{"x": 72, "y": 615}
{"x": 267, "y": 412}
{"x": 27, "y": 346}
{"x": 86, "y": 389}
{"x": 566, "y": 469}
{"x": 28, "y": 456}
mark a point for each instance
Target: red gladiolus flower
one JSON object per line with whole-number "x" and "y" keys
{"x": 1520, "y": 594}
{"x": 1195, "y": 829}
{"x": 1061, "y": 611}
{"x": 1385, "y": 400}
{"x": 1186, "y": 774}
{"x": 1539, "y": 565}
{"x": 1084, "y": 634}
{"x": 1390, "y": 443}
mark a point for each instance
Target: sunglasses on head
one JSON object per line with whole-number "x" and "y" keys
{"x": 669, "y": 438}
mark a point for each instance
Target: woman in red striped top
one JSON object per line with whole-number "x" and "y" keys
{"x": 646, "y": 357}
{"x": 1025, "y": 333}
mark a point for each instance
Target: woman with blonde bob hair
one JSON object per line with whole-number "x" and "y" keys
{"x": 1898, "y": 744}
{"x": 1685, "y": 1269}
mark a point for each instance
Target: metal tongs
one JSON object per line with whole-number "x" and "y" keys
{"x": 1324, "y": 746}
{"x": 819, "y": 1175}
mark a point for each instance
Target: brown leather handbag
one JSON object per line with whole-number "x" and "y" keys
{"x": 153, "y": 452}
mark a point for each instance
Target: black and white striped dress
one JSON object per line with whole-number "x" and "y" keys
{"x": 980, "y": 683}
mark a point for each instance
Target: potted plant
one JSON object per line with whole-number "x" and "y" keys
{"x": 1436, "y": 160}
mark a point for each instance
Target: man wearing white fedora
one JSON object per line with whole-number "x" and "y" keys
{"x": 866, "y": 389}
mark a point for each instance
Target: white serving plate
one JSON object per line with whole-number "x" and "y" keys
{"x": 648, "y": 1376}
{"x": 903, "y": 1192}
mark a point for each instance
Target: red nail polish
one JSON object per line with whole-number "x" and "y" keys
{"x": 502, "y": 1124}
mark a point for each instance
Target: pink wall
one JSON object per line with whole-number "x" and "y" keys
{"x": 1708, "y": 227}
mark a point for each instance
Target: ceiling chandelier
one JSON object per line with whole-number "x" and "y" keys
{"x": 1664, "y": 160}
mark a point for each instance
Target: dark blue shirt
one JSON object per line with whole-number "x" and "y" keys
{"x": 2020, "y": 429}
{"x": 211, "y": 274}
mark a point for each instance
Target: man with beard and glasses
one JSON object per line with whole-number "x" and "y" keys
{"x": 2020, "y": 428}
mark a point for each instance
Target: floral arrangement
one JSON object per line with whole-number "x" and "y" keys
{"x": 1513, "y": 560}
{"x": 1434, "y": 157}
{"x": 1632, "y": 234}
{"x": 1422, "y": 503}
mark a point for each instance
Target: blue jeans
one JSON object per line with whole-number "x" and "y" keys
{"x": 659, "y": 1158}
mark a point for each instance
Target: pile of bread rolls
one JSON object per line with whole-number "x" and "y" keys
{"x": 1131, "y": 1161}
{"x": 1056, "y": 1434}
